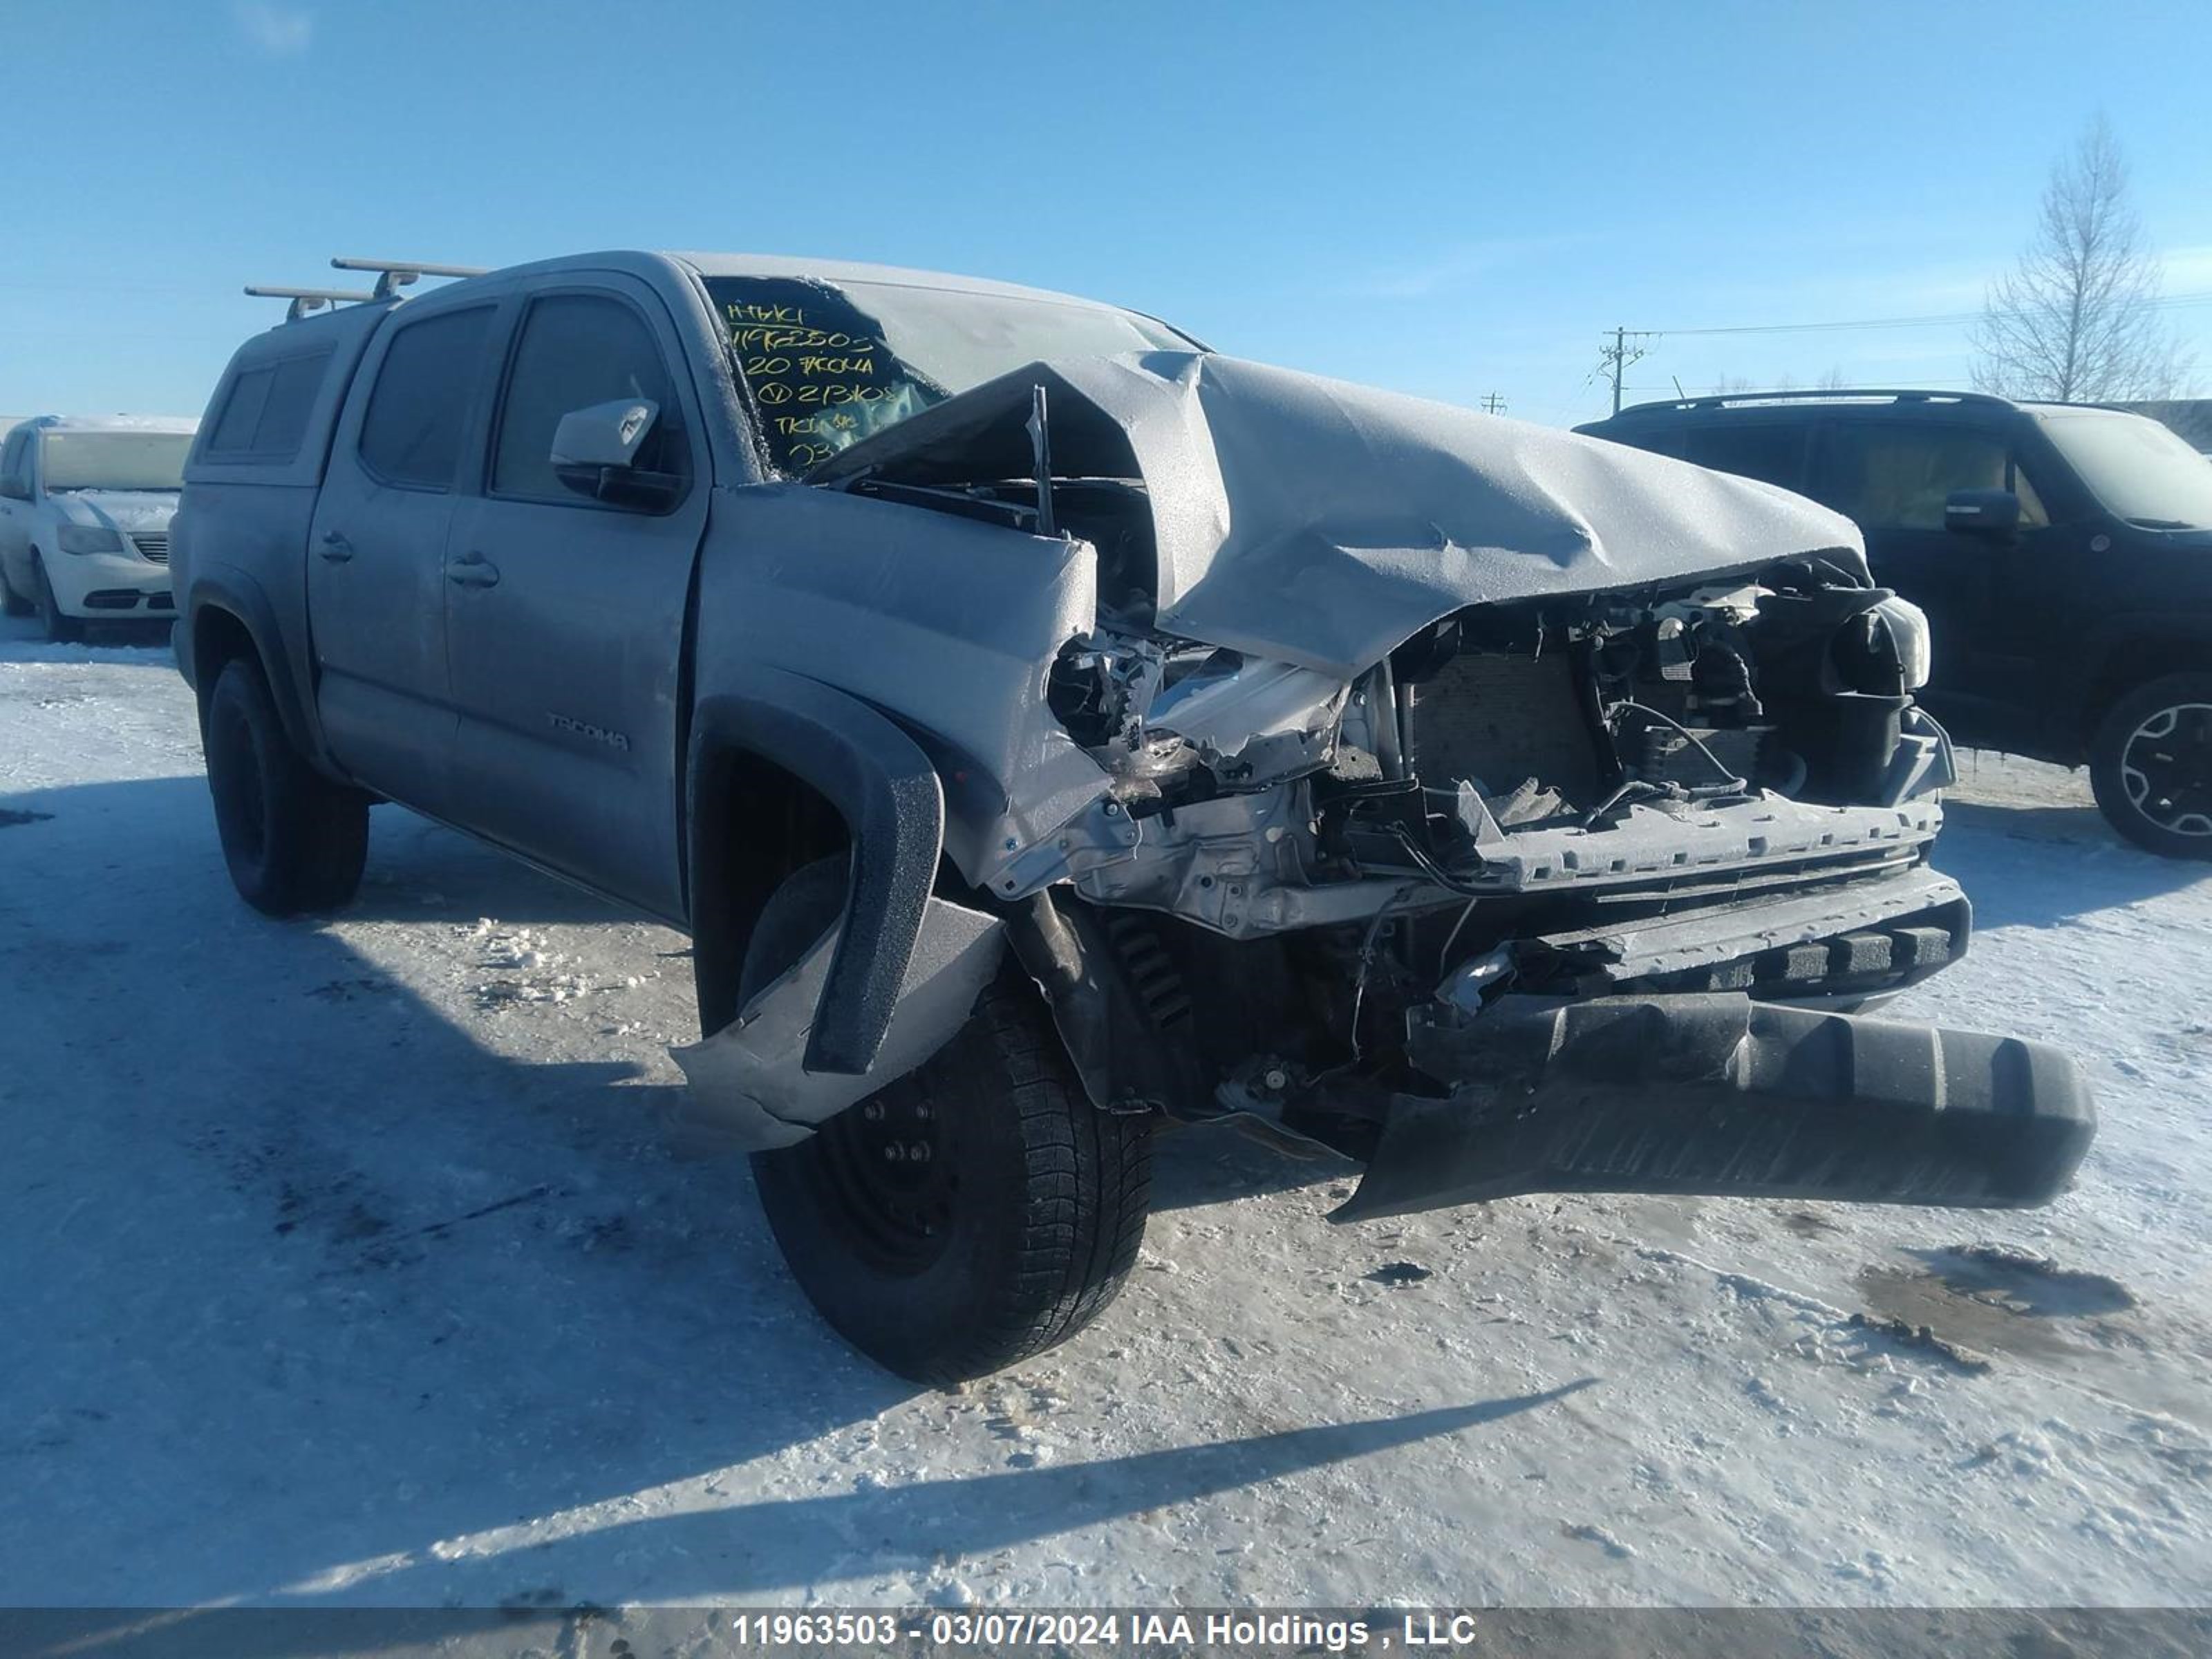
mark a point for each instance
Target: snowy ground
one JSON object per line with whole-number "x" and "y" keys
{"x": 343, "y": 1263}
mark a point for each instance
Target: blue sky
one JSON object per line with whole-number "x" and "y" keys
{"x": 1451, "y": 200}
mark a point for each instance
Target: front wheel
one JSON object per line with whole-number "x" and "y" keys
{"x": 60, "y": 627}
{"x": 294, "y": 840}
{"x": 970, "y": 1214}
{"x": 2150, "y": 766}
{"x": 12, "y": 604}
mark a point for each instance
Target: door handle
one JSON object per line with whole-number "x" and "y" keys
{"x": 472, "y": 570}
{"x": 337, "y": 550}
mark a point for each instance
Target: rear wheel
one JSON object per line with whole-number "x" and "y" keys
{"x": 60, "y": 628}
{"x": 294, "y": 840}
{"x": 970, "y": 1215}
{"x": 2150, "y": 766}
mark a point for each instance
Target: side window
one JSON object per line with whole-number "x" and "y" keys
{"x": 265, "y": 414}
{"x": 11, "y": 455}
{"x": 1893, "y": 476}
{"x": 411, "y": 434}
{"x": 578, "y": 349}
{"x": 1772, "y": 452}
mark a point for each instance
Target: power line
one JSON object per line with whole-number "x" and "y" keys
{"x": 1493, "y": 404}
{"x": 2166, "y": 302}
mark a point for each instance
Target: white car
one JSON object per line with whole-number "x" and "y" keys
{"x": 85, "y": 505}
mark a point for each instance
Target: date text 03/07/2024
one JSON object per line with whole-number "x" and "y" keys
{"x": 999, "y": 1630}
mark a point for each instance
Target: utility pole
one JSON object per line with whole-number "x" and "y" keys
{"x": 1493, "y": 404}
{"x": 1615, "y": 356}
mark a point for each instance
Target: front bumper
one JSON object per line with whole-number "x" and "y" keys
{"x": 1722, "y": 1096}
{"x": 110, "y": 584}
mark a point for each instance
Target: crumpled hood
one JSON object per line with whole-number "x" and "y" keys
{"x": 130, "y": 510}
{"x": 1322, "y": 523}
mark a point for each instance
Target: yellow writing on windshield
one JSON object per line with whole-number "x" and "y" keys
{"x": 795, "y": 362}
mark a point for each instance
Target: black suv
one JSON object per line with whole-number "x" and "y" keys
{"x": 2062, "y": 553}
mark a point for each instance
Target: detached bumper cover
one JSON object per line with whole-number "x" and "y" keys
{"x": 1724, "y": 1096}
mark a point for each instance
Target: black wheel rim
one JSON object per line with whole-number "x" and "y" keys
{"x": 883, "y": 1164}
{"x": 2166, "y": 768}
{"x": 241, "y": 807}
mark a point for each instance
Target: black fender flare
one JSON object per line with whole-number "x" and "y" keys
{"x": 2147, "y": 640}
{"x": 226, "y": 588}
{"x": 893, "y": 805}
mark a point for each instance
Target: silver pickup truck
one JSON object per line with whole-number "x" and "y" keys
{"x": 1048, "y": 729}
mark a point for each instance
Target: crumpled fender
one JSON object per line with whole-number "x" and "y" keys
{"x": 886, "y": 790}
{"x": 750, "y": 1091}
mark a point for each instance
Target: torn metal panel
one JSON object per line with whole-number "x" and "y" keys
{"x": 1254, "y": 721}
{"x": 1320, "y": 523}
{"x": 749, "y": 1090}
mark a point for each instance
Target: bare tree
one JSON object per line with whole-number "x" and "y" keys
{"x": 1835, "y": 380}
{"x": 2076, "y": 320}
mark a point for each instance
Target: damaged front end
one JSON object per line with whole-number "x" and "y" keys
{"x": 1572, "y": 896}
{"x": 1510, "y": 813}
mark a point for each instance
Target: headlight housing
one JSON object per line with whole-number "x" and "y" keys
{"x": 1908, "y": 632}
{"x": 88, "y": 539}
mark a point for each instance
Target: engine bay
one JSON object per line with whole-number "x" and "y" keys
{"x": 1501, "y": 728}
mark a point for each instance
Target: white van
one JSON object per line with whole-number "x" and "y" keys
{"x": 85, "y": 505}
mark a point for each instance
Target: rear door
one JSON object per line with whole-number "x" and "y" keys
{"x": 565, "y": 614}
{"x": 376, "y": 586}
{"x": 1893, "y": 477}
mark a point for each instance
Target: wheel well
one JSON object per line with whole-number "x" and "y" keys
{"x": 2131, "y": 663}
{"x": 218, "y": 638}
{"x": 755, "y": 822}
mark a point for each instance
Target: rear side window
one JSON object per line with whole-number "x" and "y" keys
{"x": 1773, "y": 453}
{"x": 576, "y": 351}
{"x": 419, "y": 406}
{"x": 1894, "y": 475}
{"x": 266, "y": 415}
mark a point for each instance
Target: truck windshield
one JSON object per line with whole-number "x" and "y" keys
{"x": 2140, "y": 471}
{"x": 828, "y": 364}
{"x": 115, "y": 461}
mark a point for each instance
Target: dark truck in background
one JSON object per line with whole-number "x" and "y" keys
{"x": 2062, "y": 551}
{"x": 1048, "y": 729}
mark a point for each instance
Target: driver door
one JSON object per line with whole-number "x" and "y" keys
{"x": 1894, "y": 477}
{"x": 565, "y": 614}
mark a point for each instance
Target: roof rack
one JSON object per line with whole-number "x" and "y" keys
{"x": 392, "y": 275}
{"x": 305, "y": 300}
{"x": 1829, "y": 395}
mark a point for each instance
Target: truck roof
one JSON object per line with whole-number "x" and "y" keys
{"x": 643, "y": 262}
{"x": 847, "y": 270}
{"x": 184, "y": 423}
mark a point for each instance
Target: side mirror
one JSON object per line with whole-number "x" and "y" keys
{"x": 1982, "y": 512}
{"x": 595, "y": 454}
{"x": 16, "y": 487}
